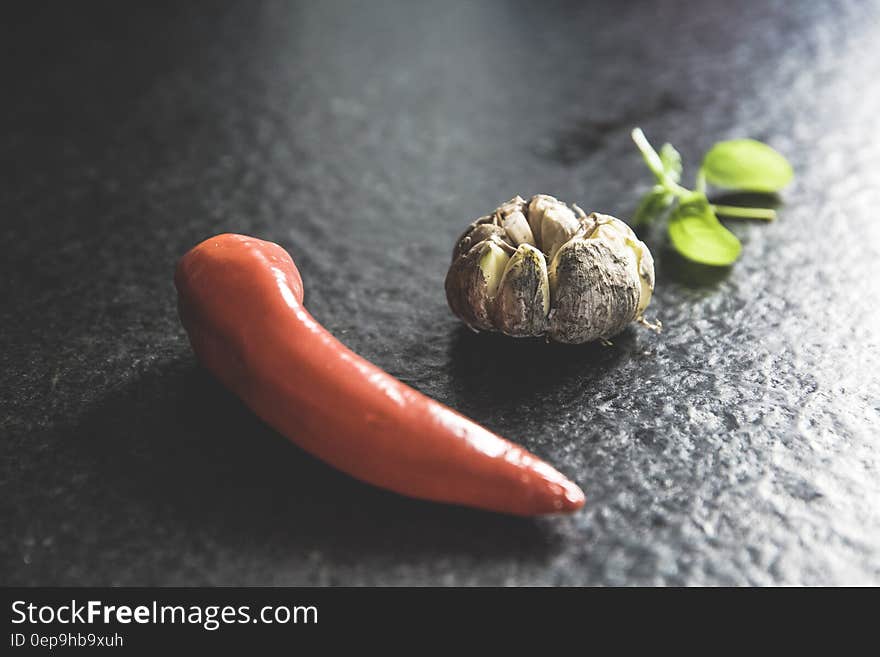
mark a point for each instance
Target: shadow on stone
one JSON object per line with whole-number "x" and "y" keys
{"x": 673, "y": 266}
{"x": 585, "y": 137}
{"x": 524, "y": 379}
{"x": 748, "y": 200}
{"x": 173, "y": 443}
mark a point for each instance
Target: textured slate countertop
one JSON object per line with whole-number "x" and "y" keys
{"x": 739, "y": 446}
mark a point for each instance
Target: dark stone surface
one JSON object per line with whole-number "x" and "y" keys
{"x": 738, "y": 447}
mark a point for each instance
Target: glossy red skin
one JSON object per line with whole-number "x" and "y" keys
{"x": 240, "y": 300}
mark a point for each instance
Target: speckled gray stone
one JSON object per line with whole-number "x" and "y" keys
{"x": 740, "y": 446}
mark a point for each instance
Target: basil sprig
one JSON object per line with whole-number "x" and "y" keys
{"x": 740, "y": 164}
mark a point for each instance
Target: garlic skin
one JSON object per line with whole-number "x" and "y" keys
{"x": 538, "y": 267}
{"x": 472, "y": 282}
{"x": 522, "y": 300}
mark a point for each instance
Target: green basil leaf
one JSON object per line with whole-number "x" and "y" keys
{"x": 671, "y": 160}
{"x": 748, "y": 165}
{"x": 697, "y": 234}
{"x": 652, "y": 205}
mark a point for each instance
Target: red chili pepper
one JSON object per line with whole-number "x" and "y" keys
{"x": 240, "y": 300}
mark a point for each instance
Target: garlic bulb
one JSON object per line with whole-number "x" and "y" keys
{"x": 538, "y": 267}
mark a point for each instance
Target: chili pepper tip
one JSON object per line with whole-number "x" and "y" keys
{"x": 572, "y": 497}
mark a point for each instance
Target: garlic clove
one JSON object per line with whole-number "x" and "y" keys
{"x": 516, "y": 204}
{"x": 493, "y": 263}
{"x": 490, "y": 232}
{"x": 464, "y": 242}
{"x": 535, "y": 214}
{"x": 614, "y": 230}
{"x": 595, "y": 290}
{"x": 646, "y": 275}
{"x": 517, "y": 228}
{"x": 482, "y": 229}
{"x": 557, "y": 227}
{"x": 472, "y": 282}
{"x": 523, "y": 299}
